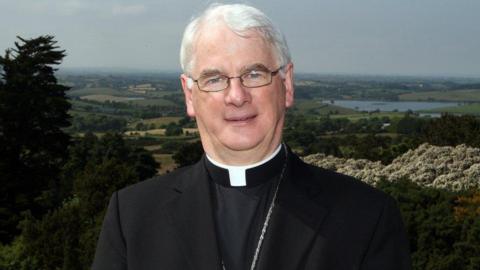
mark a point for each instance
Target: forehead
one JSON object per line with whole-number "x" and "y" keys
{"x": 218, "y": 47}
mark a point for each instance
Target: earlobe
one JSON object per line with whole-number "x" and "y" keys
{"x": 187, "y": 86}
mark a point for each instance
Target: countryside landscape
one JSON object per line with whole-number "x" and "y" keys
{"x": 70, "y": 138}
{"x": 148, "y": 109}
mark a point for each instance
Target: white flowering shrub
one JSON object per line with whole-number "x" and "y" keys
{"x": 453, "y": 168}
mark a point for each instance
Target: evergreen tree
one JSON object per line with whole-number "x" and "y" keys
{"x": 65, "y": 237}
{"x": 33, "y": 111}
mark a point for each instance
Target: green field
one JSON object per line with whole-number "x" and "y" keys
{"x": 357, "y": 116}
{"x": 153, "y": 102}
{"x": 75, "y": 113}
{"x": 98, "y": 91}
{"x": 464, "y": 109}
{"x": 124, "y": 99}
{"x": 81, "y": 103}
{"x": 162, "y": 120}
{"x": 103, "y": 98}
{"x": 316, "y": 106}
{"x": 157, "y": 121}
{"x": 166, "y": 162}
{"x": 469, "y": 95}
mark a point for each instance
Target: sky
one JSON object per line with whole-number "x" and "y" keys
{"x": 372, "y": 37}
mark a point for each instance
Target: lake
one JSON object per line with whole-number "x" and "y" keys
{"x": 390, "y": 106}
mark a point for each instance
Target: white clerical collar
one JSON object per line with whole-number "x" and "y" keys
{"x": 237, "y": 173}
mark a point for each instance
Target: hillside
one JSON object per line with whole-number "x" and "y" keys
{"x": 453, "y": 168}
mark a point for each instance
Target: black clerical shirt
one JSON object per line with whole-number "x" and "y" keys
{"x": 240, "y": 211}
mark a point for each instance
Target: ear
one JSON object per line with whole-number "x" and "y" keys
{"x": 187, "y": 86}
{"x": 288, "y": 83}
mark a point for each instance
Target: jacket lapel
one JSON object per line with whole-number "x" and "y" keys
{"x": 292, "y": 233}
{"x": 191, "y": 215}
{"x": 296, "y": 220}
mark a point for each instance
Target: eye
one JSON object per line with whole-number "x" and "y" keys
{"x": 254, "y": 75}
{"x": 212, "y": 80}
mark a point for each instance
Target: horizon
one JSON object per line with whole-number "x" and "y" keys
{"x": 140, "y": 71}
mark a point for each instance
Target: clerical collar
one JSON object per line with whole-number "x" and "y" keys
{"x": 249, "y": 175}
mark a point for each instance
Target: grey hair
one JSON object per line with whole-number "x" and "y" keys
{"x": 239, "y": 18}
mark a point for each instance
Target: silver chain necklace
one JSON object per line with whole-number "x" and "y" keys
{"x": 267, "y": 218}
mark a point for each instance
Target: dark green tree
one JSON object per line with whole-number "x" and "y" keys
{"x": 65, "y": 238}
{"x": 188, "y": 154}
{"x": 439, "y": 237}
{"x": 33, "y": 112}
{"x": 453, "y": 130}
{"x": 173, "y": 129}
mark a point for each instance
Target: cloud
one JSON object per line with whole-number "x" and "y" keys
{"x": 128, "y": 9}
{"x": 51, "y": 7}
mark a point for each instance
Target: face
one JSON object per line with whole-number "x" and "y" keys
{"x": 238, "y": 125}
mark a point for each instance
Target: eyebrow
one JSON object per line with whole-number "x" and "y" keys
{"x": 209, "y": 72}
{"x": 256, "y": 66}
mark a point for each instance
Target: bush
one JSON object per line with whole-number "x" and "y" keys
{"x": 439, "y": 239}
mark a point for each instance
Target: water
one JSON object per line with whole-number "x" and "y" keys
{"x": 390, "y": 106}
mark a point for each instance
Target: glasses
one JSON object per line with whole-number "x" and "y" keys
{"x": 250, "y": 79}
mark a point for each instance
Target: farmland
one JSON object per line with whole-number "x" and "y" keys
{"x": 468, "y": 95}
{"x": 151, "y": 107}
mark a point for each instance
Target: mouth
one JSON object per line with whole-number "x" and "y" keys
{"x": 241, "y": 119}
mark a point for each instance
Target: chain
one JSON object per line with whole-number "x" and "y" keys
{"x": 267, "y": 218}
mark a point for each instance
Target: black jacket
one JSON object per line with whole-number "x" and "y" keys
{"x": 323, "y": 220}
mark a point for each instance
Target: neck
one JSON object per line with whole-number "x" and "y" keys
{"x": 245, "y": 167}
{"x": 246, "y": 175}
{"x": 230, "y": 157}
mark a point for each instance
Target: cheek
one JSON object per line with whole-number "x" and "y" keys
{"x": 207, "y": 107}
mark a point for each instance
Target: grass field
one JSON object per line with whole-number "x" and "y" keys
{"x": 138, "y": 102}
{"x": 153, "y": 102}
{"x": 316, "y": 106}
{"x": 457, "y": 95}
{"x": 75, "y": 113}
{"x": 98, "y": 91}
{"x": 167, "y": 164}
{"x": 159, "y": 120}
{"x": 81, "y": 103}
{"x": 103, "y": 98}
{"x": 463, "y": 109}
{"x": 358, "y": 116}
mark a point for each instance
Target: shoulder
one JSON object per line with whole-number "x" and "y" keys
{"x": 336, "y": 189}
{"x": 156, "y": 190}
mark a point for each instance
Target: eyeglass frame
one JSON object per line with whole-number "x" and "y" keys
{"x": 272, "y": 74}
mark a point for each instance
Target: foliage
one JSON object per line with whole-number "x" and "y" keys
{"x": 468, "y": 206}
{"x": 65, "y": 238}
{"x": 98, "y": 123}
{"x": 438, "y": 240}
{"x": 33, "y": 112}
{"x": 173, "y": 129}
{"x": 188, "y": 154}
{"x": 453, "y": 130}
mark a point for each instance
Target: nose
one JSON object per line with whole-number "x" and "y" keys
{"x": 237, "y": 94}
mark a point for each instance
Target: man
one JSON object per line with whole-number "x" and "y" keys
{"x": 249, "y": 203}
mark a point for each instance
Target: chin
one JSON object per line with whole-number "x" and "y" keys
{"x": 241, "y": 143}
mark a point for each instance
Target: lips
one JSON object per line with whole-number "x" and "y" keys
{"x": 239, "y": 118}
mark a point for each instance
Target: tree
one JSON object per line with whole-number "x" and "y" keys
{"x": 188, "y": 154}
{"x": 65, "y": 237}
{"x": 33, "y": 112}
{"x": 443, "y": 226}
{"x": 453, "y": 130}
